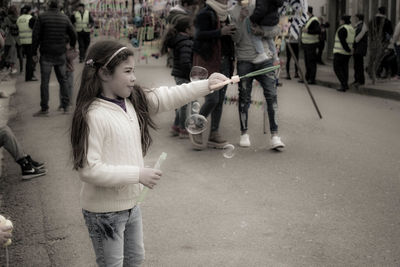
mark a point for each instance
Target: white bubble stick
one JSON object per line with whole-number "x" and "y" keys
{"x": 157, "y": 166}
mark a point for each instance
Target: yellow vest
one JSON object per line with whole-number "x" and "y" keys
{"x": 307, "y": 38}
{"x": 25, "y": 33}
{"x": 351, "y": 33}
{"x": 82, "y": 23}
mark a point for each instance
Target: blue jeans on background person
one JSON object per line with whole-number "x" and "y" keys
{"x": 70, "y": 86}
{"x": 117, "y": 237}
{"x": 181, "y": 113}
{"x": 397, "y": 49}
{"x": 214, "y": 102}
{"x": 267, "y": 82}
{"x": 47, "y": 62}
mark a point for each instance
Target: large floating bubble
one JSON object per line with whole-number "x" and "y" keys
{"x": 198, "y": 73}
{"x": 196, "y": 124}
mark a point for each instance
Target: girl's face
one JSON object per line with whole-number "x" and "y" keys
{"x": 120, "y": 84}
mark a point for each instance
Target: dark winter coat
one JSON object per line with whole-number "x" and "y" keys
{"x": 207, "y": 42}
{"x": 50, "y": 31}
{"x": 266, "y": 12}
{"x": 182, "y": 46}
{"x": 361, "y": 47}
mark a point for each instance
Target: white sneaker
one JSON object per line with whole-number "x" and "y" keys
{"x": 260, "y": 58}
{"x": 244, "y": 140}
{"x": 14, "y": 70}
{"x": 276, "y": 142}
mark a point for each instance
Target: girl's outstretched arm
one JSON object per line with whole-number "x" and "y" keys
{"x": 169, "y": 98}
{"x": 96, "y": 171}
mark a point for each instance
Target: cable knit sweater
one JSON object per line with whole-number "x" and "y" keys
{"x": 111, "y": 176}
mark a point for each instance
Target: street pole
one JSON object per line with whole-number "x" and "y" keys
{"x": 303, "y": 78}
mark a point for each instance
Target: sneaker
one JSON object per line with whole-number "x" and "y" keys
{"x": 216, "y": 141}
{"x": 37, "y": 165}
{"x": 244, "y": 140}
{"x": 183, "y": 134}
{"x": 175, "y": 130}
{"x": 41, "y": 113}
{"x": 14, "y": 71}
{"x": 276, "y": 143}
{"x": 260, "y": 58}
{"x": 28, "y": 171}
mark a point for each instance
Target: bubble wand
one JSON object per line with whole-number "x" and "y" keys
{"x": 236, "y": 78}
{"x": 157, "y": 166}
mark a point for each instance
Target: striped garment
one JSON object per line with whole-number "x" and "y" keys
{"x": 298, "y": 11}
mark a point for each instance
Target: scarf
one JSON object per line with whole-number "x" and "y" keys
{"x": 220, "y": 9}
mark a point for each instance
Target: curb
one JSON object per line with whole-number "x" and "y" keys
{"x": 364, "y": 90}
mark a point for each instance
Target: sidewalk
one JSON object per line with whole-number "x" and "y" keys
{"x": 389, "y": 89}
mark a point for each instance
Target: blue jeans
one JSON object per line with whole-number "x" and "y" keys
{"x": 258, "y": 43}
{"x": 47, "y": 62}
{"x": 214, "y": 102}
{"x": 117, "y": 237}
{"x": 267, "y": 82}
{"x": 180, "y": 113}
{"x": 10, "y": 143}
{"x": 70, "y": 86}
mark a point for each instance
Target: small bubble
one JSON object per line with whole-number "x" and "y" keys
{"x": 229, "y": 151}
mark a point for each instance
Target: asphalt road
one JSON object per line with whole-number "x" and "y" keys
{"x": 330, "y": 199}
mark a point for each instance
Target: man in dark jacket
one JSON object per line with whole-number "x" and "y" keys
{"x": 214, "y": 50}
{"x": 49, "y": 34}
{"x": 310, "y": 40}
{"x": 360, "y": 49}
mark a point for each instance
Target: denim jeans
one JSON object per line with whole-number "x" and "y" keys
{"x": 70, "y": 86}
{"x": 181, "y": 113}
{"x": 10, "y": 143}
{"x": 397, "y": 48}
{"x": 214, "y": 102}
{"x": 258, "y": 43}
{"x": 47, "y": 62}
{"x": 117, "y": 237}
{"x": 267, "y": 82}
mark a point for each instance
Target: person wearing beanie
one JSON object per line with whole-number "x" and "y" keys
{"x": 310, "y": 42}
{"x": 342, "y": 51}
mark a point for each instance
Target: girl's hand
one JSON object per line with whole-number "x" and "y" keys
{"x": 149, "y": 177}
{"x": 216, "y": 78}
{"x": 5, "y": 234}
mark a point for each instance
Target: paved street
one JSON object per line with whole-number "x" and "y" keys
{"x": 330, "y": 199}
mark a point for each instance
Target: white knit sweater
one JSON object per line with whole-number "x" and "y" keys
{"x": 110, "y": 179}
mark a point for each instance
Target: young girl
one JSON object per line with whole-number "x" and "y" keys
{"x": 110, "y": 136}
{"x": 266, "y": 16}
{"x": 179, "y": 39}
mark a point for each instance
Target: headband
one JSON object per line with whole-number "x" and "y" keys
{"x": 113, "y": 55}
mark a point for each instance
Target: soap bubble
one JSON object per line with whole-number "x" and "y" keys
{"x": 196, "y": 107}
{"x": 229, "y": 151}
{"x": 198, "y": 73}
{"x": 196, "y": 124}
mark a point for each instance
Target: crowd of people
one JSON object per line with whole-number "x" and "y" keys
{"x": 111, "y": 120}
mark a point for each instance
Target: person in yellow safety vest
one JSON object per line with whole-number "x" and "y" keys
{"x": 342, "y": 51}
{"x": 83, "y": 22}
{"x": 25, "y": 25}
{"x": 310, "y": 41}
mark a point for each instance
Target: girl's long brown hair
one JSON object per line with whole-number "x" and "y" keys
{"x": 91, "y": 88}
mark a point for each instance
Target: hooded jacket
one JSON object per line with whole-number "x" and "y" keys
{"x": 182, "y": 46}
{"x": 266, "y": 12}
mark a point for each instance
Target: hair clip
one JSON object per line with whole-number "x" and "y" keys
{"x": 90, "y": 62}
